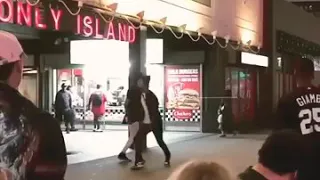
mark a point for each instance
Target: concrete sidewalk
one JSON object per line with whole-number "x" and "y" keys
{"x": 87, "y": 145}
{"x": 236, "y": 153}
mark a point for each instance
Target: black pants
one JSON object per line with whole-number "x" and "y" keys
{"x": 144, "y": 129}
{"x": 158, "y": 134}
{"x": 67, "y": 117}
{"x": 96, "y": 121}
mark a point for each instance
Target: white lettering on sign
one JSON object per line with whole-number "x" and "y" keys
{"x": 182, "y": 71}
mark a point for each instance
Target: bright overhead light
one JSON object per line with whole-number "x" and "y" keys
{"x": 163, "y": 20}
{"x": 183, "y": 27}
{"x": 113, "y": 7}
{"x": 214, "y": 34}
{"x": 140, "y": 15}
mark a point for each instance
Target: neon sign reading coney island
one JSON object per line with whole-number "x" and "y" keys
{"x": 26, "y": 15}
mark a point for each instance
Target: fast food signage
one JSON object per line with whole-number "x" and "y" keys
{"x": 84, "y": 24}
{"x": 182, "y": 90}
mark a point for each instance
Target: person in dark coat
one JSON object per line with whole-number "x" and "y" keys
{"x": 156, "y": 121}
{"x": 63, "y": 108}
{"x": 135, "y": 114}
{"x": 142, "y": 115}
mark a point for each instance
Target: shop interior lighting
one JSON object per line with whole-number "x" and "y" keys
{"x": 214, "y": 34}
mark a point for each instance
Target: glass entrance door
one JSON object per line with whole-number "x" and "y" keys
{"x": 243, "y": 86}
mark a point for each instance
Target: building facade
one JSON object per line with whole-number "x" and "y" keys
{"x": 199, "y": 54}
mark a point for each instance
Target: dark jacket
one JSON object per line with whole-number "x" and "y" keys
{"x": 29, "y": 133}
{"x": 63, "y": 101}
{"x": 153, "y": 107}
{"x": 133, "y": 106}
{"x": 250, "y": 174}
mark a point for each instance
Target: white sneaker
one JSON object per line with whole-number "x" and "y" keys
{"x": 94, "y": 130}
{"x": 99, "y": 130}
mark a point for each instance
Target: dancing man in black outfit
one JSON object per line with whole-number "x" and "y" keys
{"x": 156, "y": 121}
{"x": 142, "y": 108}
{"x": 300, "y": 110}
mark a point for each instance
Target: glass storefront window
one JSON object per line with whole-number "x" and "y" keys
{"x": 242, "y": 84}
{"x": 83, "y": 83}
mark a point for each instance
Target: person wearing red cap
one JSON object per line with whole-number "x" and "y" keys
{"x": 300, "y": 111}
{"x": 32, "y": 144}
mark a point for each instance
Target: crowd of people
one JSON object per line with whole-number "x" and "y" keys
{"x": 33, "y": 147}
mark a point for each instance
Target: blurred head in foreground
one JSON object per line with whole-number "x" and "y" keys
{"x": 280, "y": 156}
{"x": 200, "y": 170}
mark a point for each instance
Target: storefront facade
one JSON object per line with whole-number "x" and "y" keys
{"x": 189, "y": 71}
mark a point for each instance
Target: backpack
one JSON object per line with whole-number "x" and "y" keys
{"x": 96, "y": 100}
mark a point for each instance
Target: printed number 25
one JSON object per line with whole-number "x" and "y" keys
{"x": 309, "y": 115}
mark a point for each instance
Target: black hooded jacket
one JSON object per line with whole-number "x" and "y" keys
{"x": 31, "y": 142}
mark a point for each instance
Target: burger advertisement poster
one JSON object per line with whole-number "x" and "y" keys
{"x": 182, "y": 84}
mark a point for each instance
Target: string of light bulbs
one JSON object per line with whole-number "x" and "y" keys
{"x": 160, "y": 26}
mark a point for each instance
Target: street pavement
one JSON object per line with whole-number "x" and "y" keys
{"x": 84, "y": 146}
{"x": 235, "y": 153}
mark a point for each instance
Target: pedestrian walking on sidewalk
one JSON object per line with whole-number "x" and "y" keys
{"x": 63, "y": 108}
{"x": 32, "y": 144}
{"x": 97, "y": 103}
{"x": 225, "y": 120}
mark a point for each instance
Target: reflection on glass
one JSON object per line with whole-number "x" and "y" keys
{"x": 243, "y": 87}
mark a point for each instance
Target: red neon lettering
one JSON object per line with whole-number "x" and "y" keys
{"x": 56, "y": 15}
{"x": 9, "y": 16}
{"x": 23, "y": 12}
{"x": 122, "y": 32}
{"x": 87, "y": 23}
{"x": 79, "y": 25}
{"x": 110, "y": 33}
{"x": 131, "y": 34}
{"x": 97, "y": 28}
{"x": 38, "y": 19}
